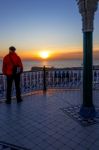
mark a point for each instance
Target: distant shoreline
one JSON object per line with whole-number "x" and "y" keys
{"x": 28, "y": 64}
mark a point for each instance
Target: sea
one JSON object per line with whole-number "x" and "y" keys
{"x": 28, "y": 64}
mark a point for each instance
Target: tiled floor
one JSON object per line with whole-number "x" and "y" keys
{"x": 38, "y": 123}
{"x": 7, "y": 146}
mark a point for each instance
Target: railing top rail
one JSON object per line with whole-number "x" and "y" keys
{"x": 56, "y": 69}
{"x": 29, "y": 71}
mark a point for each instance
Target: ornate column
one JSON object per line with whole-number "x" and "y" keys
{"x": 87, "y": 10}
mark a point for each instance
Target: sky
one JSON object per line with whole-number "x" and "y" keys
{"x": 33, "y": 26}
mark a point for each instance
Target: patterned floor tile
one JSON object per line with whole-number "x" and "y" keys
{"x": 73, "y": 112}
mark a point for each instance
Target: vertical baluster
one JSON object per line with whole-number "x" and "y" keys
{"x": 65, "y": 78}
{"x": 33, "y": 80}
{"x": 93, "y": 76}
{"x": 27, "y": 81}
{"x": 58, "y": 78}
{"x": 73, "y": 78}
{"x": 51, "y": 79}
{"x": 47, "y": 78}
{"x": 37, "y": 80}
{"x": 77, "y": 71}
{"x": 79, "y": 77}
{"x": 47, "y": 74}
{"x": 76, "y": 82}
{"x": 40, "y": 79}
{"x": 54, "y": 78}
{"x": 61, "y": 79}
{"x": 69, "y": 84}
{"x": 51, "y": 82}
{"x": 27, "y": 75}
{"x": 25, "y": 78}
{"x": 97, "y": 76}
{"x": 63, "y": 74}
{"x": 44, "y": 79}
{"x": 53, "y": 72}
{"x": 30, "y": 81}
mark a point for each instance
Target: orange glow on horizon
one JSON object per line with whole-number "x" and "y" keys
{"x": 50, "y": 53}
{"x": 44, "y": 54}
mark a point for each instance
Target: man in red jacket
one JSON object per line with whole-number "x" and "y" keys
{"x": 12, "y": 68}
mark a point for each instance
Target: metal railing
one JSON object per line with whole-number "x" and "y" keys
{"x": 49, "y": 78}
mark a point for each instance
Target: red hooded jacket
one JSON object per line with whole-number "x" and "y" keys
{"x": 9, "y": 61}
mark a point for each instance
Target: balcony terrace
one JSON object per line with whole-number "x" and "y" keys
{"x": 48, "y": 118}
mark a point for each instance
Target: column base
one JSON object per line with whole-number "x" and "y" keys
{"x": 87, "y": 112}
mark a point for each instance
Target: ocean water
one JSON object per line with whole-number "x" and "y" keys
{"x": 27, "y": 64}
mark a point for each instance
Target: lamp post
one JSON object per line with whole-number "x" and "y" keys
{"x": 87, "y": 10}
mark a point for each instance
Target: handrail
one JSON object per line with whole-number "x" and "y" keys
{"x": 53, "y": 78}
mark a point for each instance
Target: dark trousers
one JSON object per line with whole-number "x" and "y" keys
{"x": 16, "y": 79}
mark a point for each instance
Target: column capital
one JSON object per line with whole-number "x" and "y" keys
{"x": 87, "y": 10}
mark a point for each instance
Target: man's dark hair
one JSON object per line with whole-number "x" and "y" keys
{"x": 12, "y": 48}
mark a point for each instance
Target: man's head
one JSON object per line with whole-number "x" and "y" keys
{"x": 12, "y": 49}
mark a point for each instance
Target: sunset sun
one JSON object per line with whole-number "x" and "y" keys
{"x": 44, "y": 54}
